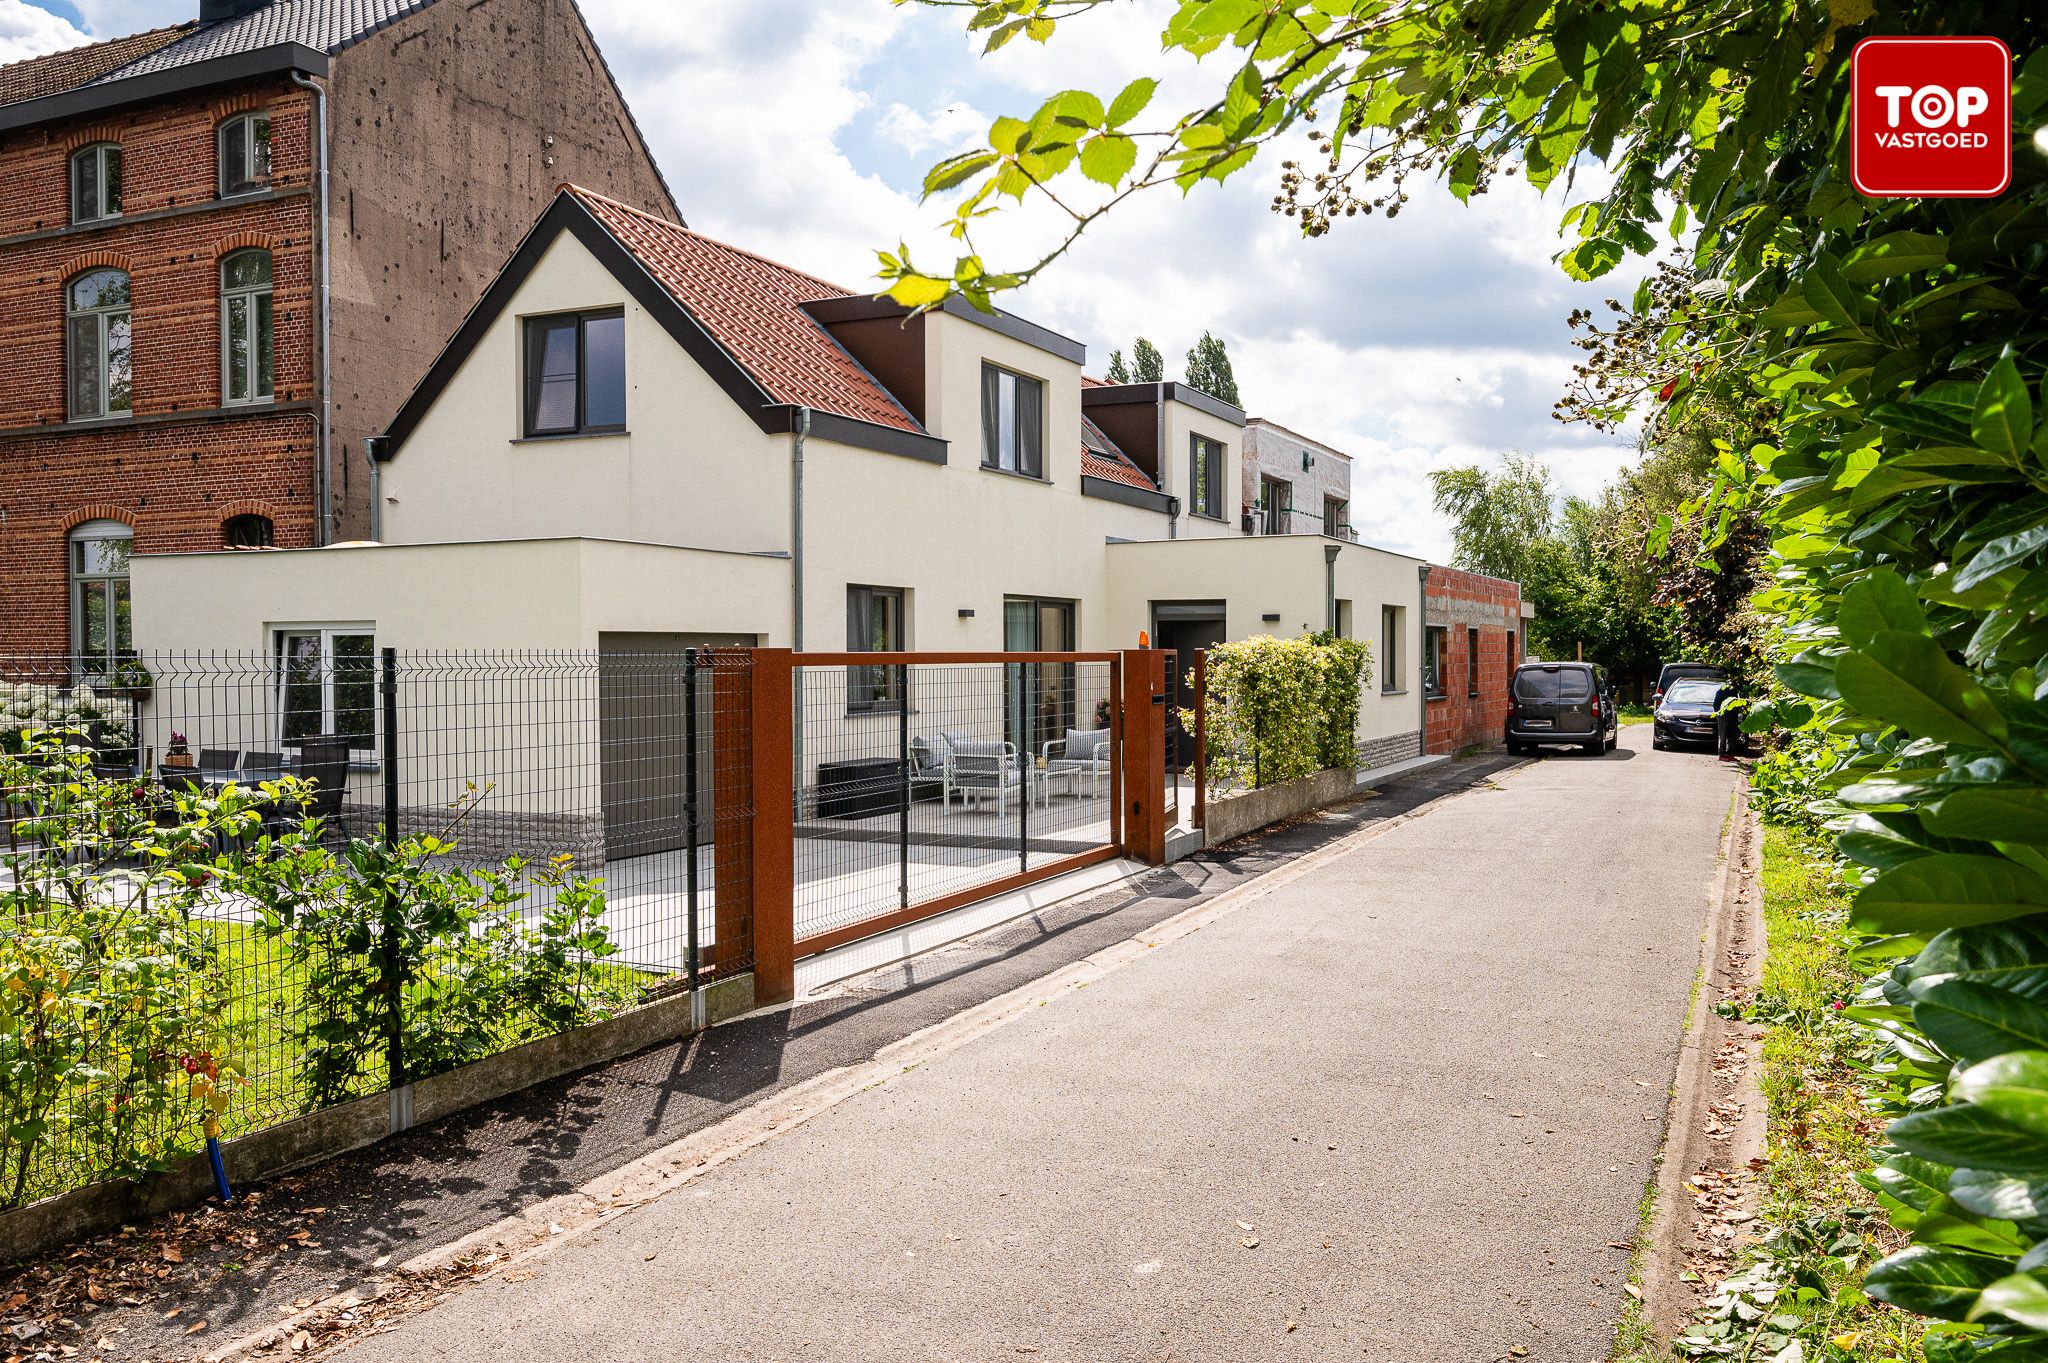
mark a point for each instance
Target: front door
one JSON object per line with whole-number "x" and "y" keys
{"x": 1182, "y": 627}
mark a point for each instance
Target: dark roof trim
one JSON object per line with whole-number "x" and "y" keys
{"x": 569, "y": 214}
{"x": 861, "y": 309}
{"x": 276, "y": 60}
{"x": 867, "y": 435}
{"x": 1113, "y": 395}
{"x": 1110, "y": 491}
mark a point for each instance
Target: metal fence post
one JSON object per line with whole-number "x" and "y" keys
{"x": 1025, "y": 767}
{"x": 1202, "y": 738}
{"x": 690, "y": 822}
{"x": 773, "y": 770}
{"x": 903, "y": 789}
{"x": 391, "y": 954}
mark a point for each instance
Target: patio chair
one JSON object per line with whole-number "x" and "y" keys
{"x": 976, "y": 770}
{"x": 1083, "y": 750}
{"x": 324, "y": 764}
{"x": 928, "y": 766}
{"x": 217, "y": 765}
{"x": 258, "y": 767}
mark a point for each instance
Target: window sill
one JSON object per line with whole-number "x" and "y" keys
{"x": 1037, "y": 478}
{"x": 1205, "y": 516}
{"x": 1402, "y": 692}
{"x": 606, "y": 434}
{"x": 86, "y": 423}
{"x": 1436, "y": 695}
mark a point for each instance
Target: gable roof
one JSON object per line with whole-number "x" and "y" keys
{"x": 323, "y": 25}
{"x": 738, "y": 315}
{"x": 753, "y": 307}
{"x": 54, "y": 72}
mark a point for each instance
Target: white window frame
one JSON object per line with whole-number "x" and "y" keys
{"x": 98, "y": 152}
{"x": 361, "y": 758}
{"x": 104, "y": 318}
{"x": 249, "y": 295}
{"x": 77, "y": 580}
{"x": 253, "y": 175}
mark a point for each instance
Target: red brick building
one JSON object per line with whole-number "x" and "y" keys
{"x": 229, "y": 248}
{"x": 1472, "y": 637}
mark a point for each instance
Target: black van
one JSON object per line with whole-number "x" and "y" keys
{"x": 1561, "y": 703}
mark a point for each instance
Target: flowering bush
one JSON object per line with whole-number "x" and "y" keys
{"x": 29, "y": 707}
{"x": 1279, "y": 709}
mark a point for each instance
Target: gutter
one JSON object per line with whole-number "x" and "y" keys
{"x": 1422, "y": 633}
{"x": 796, "y": 529}
{"x": 323, "y": 464}
{"x": 105, "y": 95}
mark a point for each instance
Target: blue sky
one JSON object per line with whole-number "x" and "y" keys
{"x": 1434, "y": 339}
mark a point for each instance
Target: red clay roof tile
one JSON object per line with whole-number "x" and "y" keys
{"x": 56, "y": 72}
{"x": 751, "y": 307}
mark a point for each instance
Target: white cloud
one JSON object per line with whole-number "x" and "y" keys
{"x": 956, "y": 127}
{"x": 26, "y": 31}
{"x": 802, "y": 131}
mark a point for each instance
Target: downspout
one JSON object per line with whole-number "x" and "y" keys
{"x": 371, "y": 447}
{"x": 323, "y": 472}
{"x": 796, "y": 529}
{"x": 1330, "y": 589}
{"x": 1165, "y": 461}
{"x": 1422, "y": 704}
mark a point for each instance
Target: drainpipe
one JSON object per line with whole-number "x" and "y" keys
{"x": 323, "y": 473}
{"x": 1165, "y": 463}
{"x": 1330, "y": 589}
{"x": 796, "y": 529}
{"x": 372, "y": 445}
{"x": 1422, "y": 704}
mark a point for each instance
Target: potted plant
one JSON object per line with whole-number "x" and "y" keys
{"x": 177, "y": 754}
{"x": 134, "y": 679}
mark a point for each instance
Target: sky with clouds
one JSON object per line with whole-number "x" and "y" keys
{"x": 802, "y": 129}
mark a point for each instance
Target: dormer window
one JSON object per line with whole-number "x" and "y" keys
{"x": 96, "y": 182}
{"x": 244, "y": 154}
{"x": 1012, "y": 422}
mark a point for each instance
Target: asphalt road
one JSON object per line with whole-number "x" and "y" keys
{"x": 1394, "y": 1108}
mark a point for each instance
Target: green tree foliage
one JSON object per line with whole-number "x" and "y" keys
{"x": 1500, "y": 522}
{"x": 1119, "y": 372}
{"x": 1209, "y": 370}
{"x": 1147, "y": 364}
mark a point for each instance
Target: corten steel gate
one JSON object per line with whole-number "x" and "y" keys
{"x": 884, "y": 788}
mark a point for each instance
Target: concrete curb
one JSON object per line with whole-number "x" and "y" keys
{"x": 538, "y": 1231}
{"x": 1665, "y": 1300}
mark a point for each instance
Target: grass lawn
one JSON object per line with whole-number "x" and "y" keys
{"x": 1820, "y": 1230}
{"x": 1632, "y": 713}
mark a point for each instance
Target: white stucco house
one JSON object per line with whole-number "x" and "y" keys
{"x": 642, "y": 438}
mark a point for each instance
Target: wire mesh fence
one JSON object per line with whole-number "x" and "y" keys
{"x": 241, "y": 887}
{"x": 919, "y": 783}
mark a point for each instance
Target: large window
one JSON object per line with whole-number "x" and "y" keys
{"x": 1392, "y": 654}
{"x": 245, "y": 331}
{"x": 1205, "y": 477}
{"x": 100, "y": 631}
{"x": 1471, "y": 662}
{"x": 1012, "y": 422}
{"x": 1276, "y": 499}
{"x": 244, "y": 154}
{"x": 327, "y": 686}
{"x": 97, "y": 344}
{"x": 576, "y": 373}
{"x": 96, "y": 182}
{"x": 874, "y": 624}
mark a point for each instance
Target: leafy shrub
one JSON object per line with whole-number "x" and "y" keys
{"x": 112, "y": 1003}
{"x": 397, "y": 944}
{"x": 1279, "y": 709}
{"x": 29, "y": 708}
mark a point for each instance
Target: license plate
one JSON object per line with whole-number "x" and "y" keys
{"x": 1536, "y": 724}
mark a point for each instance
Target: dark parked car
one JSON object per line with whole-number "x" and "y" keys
{"x": 1674, "y": 673}
{"x": 1685, "y": 713}
{"x": 1561, "y": 703}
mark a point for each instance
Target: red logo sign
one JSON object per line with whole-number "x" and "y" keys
{"x": 1930, "y": 118}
